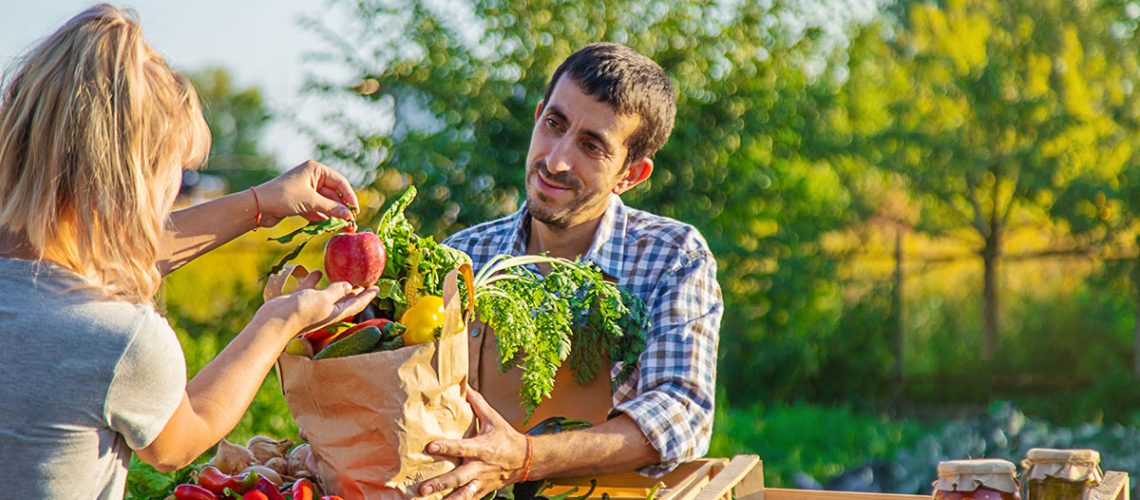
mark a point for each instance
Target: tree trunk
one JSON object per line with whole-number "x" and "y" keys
{"x": 897, "y": 328}
{"x": 991, "y": 256}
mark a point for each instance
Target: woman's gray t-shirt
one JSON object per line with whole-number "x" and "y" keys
{"x": 83, "y": 380}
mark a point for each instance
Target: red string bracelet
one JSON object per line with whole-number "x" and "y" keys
{"x": 256, "y": 203}
{"x": 529, "y": 459}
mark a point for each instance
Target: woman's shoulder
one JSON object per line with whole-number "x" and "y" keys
{"x": 48, "y": 297}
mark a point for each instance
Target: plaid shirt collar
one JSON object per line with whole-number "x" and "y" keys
{"x": 607, "y": 250}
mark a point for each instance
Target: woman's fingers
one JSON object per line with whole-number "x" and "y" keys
{"x": 331, "y": 181}
{"x": 275, "y": 284}
{"x": 349, "y": 303}
{"x": 310, "y": 281}
{"x": 322, "y": 204}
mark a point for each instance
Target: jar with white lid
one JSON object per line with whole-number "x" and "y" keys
{"x": 984, "y": 479}
{"x": 1052, "y": 474}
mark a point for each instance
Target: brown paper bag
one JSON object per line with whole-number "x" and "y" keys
{"x": 369, "y": 417}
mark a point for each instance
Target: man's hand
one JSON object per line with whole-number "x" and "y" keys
{"x": 490, "y": 460}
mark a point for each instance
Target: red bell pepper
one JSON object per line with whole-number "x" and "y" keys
{"x": 320, "y": 335}
{"x": 217, "y": 481}
{"x": 270, "y": 490}
{"x": 254, "y": 495}
{"x": 377, "y": 322}
{"x": 302, "y": 490}
{"x": 331, "y": 497}
{"x": 193, "y": 492}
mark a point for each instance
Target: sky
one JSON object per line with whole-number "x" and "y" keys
{"x": 259, "y": 41}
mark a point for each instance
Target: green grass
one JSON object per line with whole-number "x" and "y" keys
{"x": 821, "y": 441}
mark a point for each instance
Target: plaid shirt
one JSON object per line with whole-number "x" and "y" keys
{"x": 668, "y": 265}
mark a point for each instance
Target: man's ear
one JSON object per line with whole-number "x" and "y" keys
{"x": 538, "y": 110}
{"x": 635, "y": 174}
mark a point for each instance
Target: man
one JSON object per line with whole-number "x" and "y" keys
{"x": 606, "y": 112}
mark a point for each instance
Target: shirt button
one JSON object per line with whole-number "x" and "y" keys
{"x": 475, "y": 331}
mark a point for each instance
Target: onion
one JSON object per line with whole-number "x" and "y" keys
{"x": 265, "y": 448}
{"x": 265, "y": 472}
{"x": 232, "y": 458}
{"x": 301, "y": 462}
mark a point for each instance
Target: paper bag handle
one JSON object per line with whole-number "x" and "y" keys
{"x": 451, "y": 354}
{"x": 451, "y": 292}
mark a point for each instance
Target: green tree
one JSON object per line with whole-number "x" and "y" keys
{"x": 1109, "y": 207}
{"x": 237, "y": 118}
{"x": 994, "y": 110}
{"x": 448, "y": 101}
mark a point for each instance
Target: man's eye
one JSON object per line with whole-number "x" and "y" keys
{"x": 591, "y": 147}
{"x": 552, "y": 123}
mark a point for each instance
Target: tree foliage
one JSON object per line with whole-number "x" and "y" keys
{"x": 237, "y": 118}
{"x": 961, "y": 119}
{"x": 745, "y": 164}
{"x": 993, "y": 113}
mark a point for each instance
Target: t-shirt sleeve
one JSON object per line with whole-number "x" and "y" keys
{"x": 148, "y": 384}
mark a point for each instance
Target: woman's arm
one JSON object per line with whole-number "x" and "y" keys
{"x": 218, "y": 396}
{"x": 310, "y": 189}
{"x": 196, "y": 230}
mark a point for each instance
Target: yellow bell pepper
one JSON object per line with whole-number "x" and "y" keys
{"x": 424, "y": 320}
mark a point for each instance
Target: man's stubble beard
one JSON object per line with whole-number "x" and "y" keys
{"x": 555, "y": 218}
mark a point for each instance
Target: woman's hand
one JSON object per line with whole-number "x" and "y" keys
{"x": 309, "y": 308}
{"x": 311, "y": 190}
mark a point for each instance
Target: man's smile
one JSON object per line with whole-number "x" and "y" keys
{"x": 549, "y": 187}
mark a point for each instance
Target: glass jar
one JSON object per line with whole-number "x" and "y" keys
{"x": 987, "y": 479}
{"x": 1061, "y": 474}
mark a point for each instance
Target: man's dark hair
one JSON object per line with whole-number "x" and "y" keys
{"x": 630, "y": 83}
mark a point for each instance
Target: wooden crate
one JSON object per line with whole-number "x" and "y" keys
{"x": 742, "y": 478}
{"x": 683, "y": 483}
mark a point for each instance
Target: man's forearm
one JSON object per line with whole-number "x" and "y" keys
{"x": 618, "y": 445}
{"x": 201, "y": 228}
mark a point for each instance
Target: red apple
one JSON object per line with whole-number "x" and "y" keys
{"x": 357, "y": 258}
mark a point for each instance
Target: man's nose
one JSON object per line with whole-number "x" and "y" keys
{"x": 558, "y": 159}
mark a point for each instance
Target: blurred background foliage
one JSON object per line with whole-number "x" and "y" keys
{"x": 918, "y": 207}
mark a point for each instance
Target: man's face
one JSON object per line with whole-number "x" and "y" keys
{"x": 576, "y": 158}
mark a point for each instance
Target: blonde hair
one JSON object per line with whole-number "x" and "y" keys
{"x": 94, "y": 130}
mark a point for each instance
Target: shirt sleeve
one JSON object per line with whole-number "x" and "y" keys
{"x": 677, "y": 374}
{"x": 149, "y": 382}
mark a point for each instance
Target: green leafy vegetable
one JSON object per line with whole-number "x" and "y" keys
{"x": 411, "y": 257}
{"x": 573, "y": 314}
{"x": 146, "y": 483}
{"x": 391, "y": 297}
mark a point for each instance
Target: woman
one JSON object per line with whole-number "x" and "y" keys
{"x": 95, "y": 130}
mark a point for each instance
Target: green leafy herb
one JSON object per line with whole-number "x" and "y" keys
{"x": 572, "y": 314}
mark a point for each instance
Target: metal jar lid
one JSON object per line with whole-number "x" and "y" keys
{"x": 1079, "y": 466}
{"x": 969, "y": 475}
